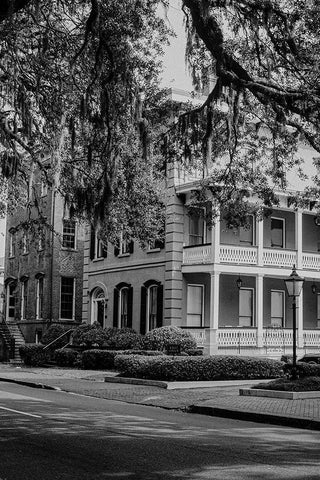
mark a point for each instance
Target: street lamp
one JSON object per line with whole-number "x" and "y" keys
{"x": 294, "y": 286}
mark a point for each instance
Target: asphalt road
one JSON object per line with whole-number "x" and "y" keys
{"x": 54, "y": 435}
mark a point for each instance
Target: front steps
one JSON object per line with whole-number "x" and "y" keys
{"x": 19, "y": 340}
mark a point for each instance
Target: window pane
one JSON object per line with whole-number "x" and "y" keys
{"x": 277, "y": 308}
{"x": 194, "y": 305}
{"x": 66, "y": 301}
{"x": 196, "y": 232}
{"x": 246, "y": 234}
{"x": 69, "y": 233}
{"x": 276, "y": 232}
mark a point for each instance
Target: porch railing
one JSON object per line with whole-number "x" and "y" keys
{"x": 198, "y": 334}
{"x": 311, "y": 338}
{"x": 279, "y": 258}
{"x": 197, "y": 254}
{"x": 234, "y": 254}
{"x": 237, "y": 337}
{"x": 311, "y": 261}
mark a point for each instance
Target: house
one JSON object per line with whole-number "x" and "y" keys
{"x": 224, "y": 286}
{"x": 43, "y": 268}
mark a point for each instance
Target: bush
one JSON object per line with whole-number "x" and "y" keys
{"x": 33, "y": 355}
{"x": 104, "y": 359}
{"x": 66, "y": 357}
{"x": 304, "y": 384}
{"x": 197, "y": 368}
{"x": 89, "y": 335}
{"x": 303, "y": 369}
{"x": 52, "y": 333}
{"x": 122, "y": 339}
{"x": 194, "y": 352}
{"x": 160, "y": 338}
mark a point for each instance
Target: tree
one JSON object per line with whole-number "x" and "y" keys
{"x": 264, "y": 57}
{"x": 77, "y": 80}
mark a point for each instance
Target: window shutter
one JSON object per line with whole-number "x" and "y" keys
{"x": 130, "y": 301}
{"x": 143, "y": 311}
{"x": 92, "y": 243}
{"x": 159, "y": 305}
{"x": 131, "y": 246}
{"x": 115, "y": 307}
{"x": 116, "y": 250}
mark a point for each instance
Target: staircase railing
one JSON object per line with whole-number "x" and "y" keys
{"x": 58, "y": 338}
{"x": 9, "y": 339}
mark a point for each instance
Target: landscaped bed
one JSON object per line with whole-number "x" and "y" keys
{"x": 305, "y": 384}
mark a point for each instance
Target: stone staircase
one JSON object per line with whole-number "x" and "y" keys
{"x": 19, "y": 340}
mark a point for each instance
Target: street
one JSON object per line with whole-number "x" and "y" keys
{"x": 56, "y": 435}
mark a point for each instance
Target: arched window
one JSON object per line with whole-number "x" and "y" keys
{"x": 151, "y": 306}
{"x": 122, "y": 305}
{"x": 98, "y": 306}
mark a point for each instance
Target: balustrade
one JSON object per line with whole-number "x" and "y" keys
{"x": 234, "y": 254}
{"x": 237, "y": 337}
{"x": 197, "y": 254}
{"x": 311, "y": 338}
{"x": 311, "y": 261}
{"x": 279, "y": 258}
{"x": 198, "y": 334}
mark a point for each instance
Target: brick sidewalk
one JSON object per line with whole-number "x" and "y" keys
{"x": 220, "y": 400}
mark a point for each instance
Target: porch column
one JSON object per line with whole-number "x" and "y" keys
{"x": 211, "y": 342}
{"x": 300, "y": 341}
{"x": 259, "y": 309}
{"x": 259, "y": 241}
{"x": 215, "y": 241}
{"x": 298, "y": 234}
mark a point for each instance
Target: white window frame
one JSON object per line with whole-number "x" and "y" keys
{"x": 73, "y": 298}
{"x": 25, "y": 243}
{"x": 41, "y": 242}
{"x": 124, "y": 246}
{"x": 202, "y": 303}
{"x": 120, "y": 304}
{"x": 283, "y": 306}
{"x": 283, "y": 232}
{"x": 253, "y": 232}
{"x": 24, "y": 299}
{"x": 43, "y": 188}
{"x": 204, "y": 232}
{"x": 39, "y": 299}
{"x": 8, "y": 296}
{"x": 148, "y": 307}
{"x": 98, "y": 247}
{"x": 253, "y": 320}
{"x": 74, "y": 235}
{"x": 12, "y": 244}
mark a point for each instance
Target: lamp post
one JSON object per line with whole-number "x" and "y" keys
{"x": 294, "y": 286}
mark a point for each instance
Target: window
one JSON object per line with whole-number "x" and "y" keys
{"x": 152, "y": 306}
{"x": 12, "y": 243}
{"x": 155, "y": 244}
{"x": 98, "y": 306}
{"x": 123, "y": 304}
{"x": 196, "y": 230}
{"x": 98, "y": 249}
{"x": 277, "y": 308}
{"x": 67, "y": 298}
{"x": 246, "y": 234}
{"x": 24, "y": 299}
{"x": 318, "y": 310}
{"x": 195, "y": 305}
{"x": 39, "y": 298}
{"x": 38, "y": 335}
{"x": 124, "y": 246}
{"x": 69, "y": 234}
{"x": 41, "y": 241}
{"x": 246, "y": 307}
{"x": 11, "y": 300}
{"x": 277, "y": 232}
{"x": 25, "y": 243}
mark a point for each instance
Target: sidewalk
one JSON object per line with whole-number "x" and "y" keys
{"x": 220, "y": 399}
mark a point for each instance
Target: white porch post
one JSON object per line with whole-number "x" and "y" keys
{"x": 259, "y": 310}
{"x": 211, "y": 342}
{"x": 215, "y": 241}
{"x": 298, "y": 234}
{"x": 259, "y": 241}
{"x": 300, "y": 342}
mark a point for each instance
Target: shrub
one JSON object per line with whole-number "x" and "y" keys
{"x": 96, "y": 359}
{"x": 122, "y": 338}
{"x": 66, "y": 357}
{"x": 197, "y": 368}
{"x": 52, "y": 333}
{"x": 304, "y": 384}
{"x": 89, "y": 335}
{"x": 33, "y": 355}
{"x": 303, "y": 369}
{"x": 194, "y": 352}
{"x": 160, "y": 338}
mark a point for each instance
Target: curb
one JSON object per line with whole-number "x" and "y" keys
{"x": 294, "y": 422}
{"x": 31, "y": 384}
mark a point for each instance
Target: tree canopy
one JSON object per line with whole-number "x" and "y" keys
{"x": 80, "y": 101}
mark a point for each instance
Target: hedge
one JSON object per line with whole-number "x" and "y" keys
{"x": 67, "y": 357}
{"x": 122, "y": 339}
{"x": 160, "y": 338}
{"x": 96, "y": 359}
{"x": 303, "y": 369}
{"x": 197, "y": 368}
{"x": 33, "y": 355}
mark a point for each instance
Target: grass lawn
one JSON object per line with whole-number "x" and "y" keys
{"x": 305, "y": 384}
